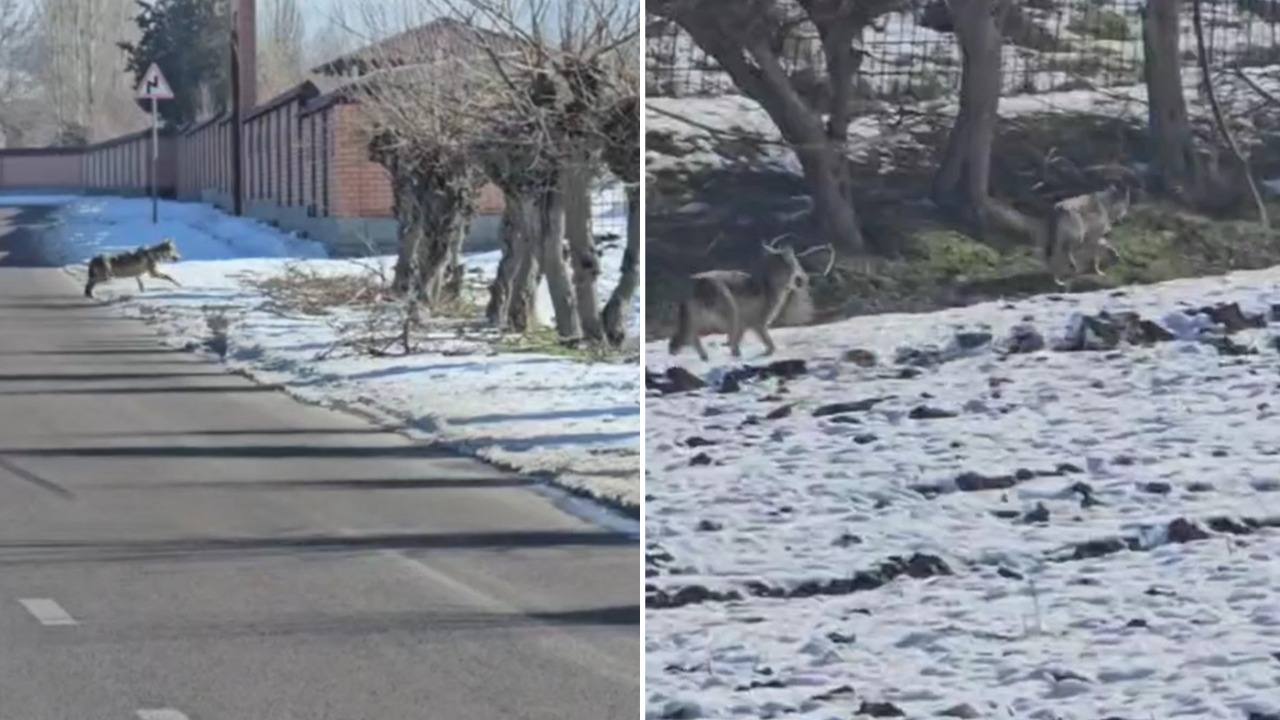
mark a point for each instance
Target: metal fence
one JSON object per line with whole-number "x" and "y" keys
{"x": 609, "y": 209}
{"x": 1051, "y": 45}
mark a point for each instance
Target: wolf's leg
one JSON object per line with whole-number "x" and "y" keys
{"x": 735, "y": 340}
{"x": 140, "y": 287}
{"x": 763, "y": 332}
{"x": 697, "y": 345}
{"x": 730, "y": 307}
{"x": 162, "y": 276}
{"x": 88, "y": 288}
{"x": 1095, "y": 251}
{"x": 1106, "y": 245}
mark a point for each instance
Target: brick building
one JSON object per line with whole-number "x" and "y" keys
{"x": 305, "y": 165}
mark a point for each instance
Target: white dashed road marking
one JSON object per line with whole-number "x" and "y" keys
{"x": 47, "y": 611}
{"x": 162, "y": 714}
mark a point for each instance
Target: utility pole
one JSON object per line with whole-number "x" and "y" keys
{"x": 237, "y": 155}
{"x": 244, "y": 87}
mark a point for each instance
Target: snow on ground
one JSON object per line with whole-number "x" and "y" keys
{"x": 87, "y": 226}
{"x": 684, "y": 122}
{"x": 768, "y": 527}
{"x": 576, "y": 422}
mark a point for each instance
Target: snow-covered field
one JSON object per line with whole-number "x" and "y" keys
{"x": 1029, "y": 500}
{"x": 683, "y": 122}
{"x": 575, "y": 422}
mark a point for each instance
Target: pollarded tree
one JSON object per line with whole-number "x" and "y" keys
{"x": 433, "y": 190}
{"x": 746, "y": 38}
{"x": 574, "y": 60}
{"x": 423, "y": 117}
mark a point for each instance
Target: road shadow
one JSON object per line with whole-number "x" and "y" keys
{"x": 218, "y": 549}
{"x": 425, "y": 626}
{"x": 435, "y": 483}
{"x": 232, "y": 452}
{"x": 152, "y": 390}
{"x": 23, "y": 240}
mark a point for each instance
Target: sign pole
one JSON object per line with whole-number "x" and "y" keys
{"x": 154, "y": 88}
{"x": 155, "y": 161}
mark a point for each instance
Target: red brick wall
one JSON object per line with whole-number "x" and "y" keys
{"x": 361, "y": 187}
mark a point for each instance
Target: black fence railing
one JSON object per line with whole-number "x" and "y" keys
{"x": 1051, "y": 45}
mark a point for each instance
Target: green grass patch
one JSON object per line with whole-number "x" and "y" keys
{"x": 545, "y": 341}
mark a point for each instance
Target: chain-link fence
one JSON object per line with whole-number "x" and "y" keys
{"x": 1051, "y": 45}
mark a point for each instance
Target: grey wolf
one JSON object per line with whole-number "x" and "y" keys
{"x": 1082, "y": 223}
{"x": 134, "y": 264}
{"x": 733, "y": 301}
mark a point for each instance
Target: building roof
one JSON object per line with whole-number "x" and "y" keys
{"x": 433, "y": 41}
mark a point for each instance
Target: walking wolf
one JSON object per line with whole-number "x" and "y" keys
{"x": 1082, "y": 223}
{"x": 134, "y": 264}
{"x": 733, "y": 301}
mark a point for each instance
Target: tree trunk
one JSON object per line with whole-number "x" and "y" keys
{"x": 576, "y": 192}
{"x": 820, "y": 146}
{"x": 1176, "y": 167}
{"x": 455, "y": 271}
{"x": 501, "y": 288}
{"x": 1207, "y": 81}
{"x": 441, "y": 210}
{"x": 620, "y": 302}
{"x": 963, "y": 182}
{"x": 826, "y": 170}
{"x": 526, "y": 270}
{"x": 550, "y": 241}
{"x": 409, "y": 233}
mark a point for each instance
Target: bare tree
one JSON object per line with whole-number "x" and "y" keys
{"x": 335, "y": 37}
{"x": 963, "y": 181}
{"x": 282, "y": 33}
{"x": 563, "y": 78}
{"x": 1220, "y": 121}
{"x": 88, "y": 91}
{"x": 1177, "y": 167}
{"x": 747, "y": 38}
{"x": 423, "y": 120}
{"x": 16, "y": 81}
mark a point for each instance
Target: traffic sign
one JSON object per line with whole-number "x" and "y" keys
{"x": 154, "y": 86}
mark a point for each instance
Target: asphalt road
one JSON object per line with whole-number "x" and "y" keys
{"x": 177, "y": 542}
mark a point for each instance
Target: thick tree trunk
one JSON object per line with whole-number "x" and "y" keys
{"x": 550, "y": 240}
{"x": 1176, "y": 167}
{"x": 963, "y": 182}
{"x": 576, "y": 191}
{"x": 826, "y": 170}
{"x": 526, "y": 271}
{"x": 513, "y": 293}
{"x": 409, "y": 233}
{"x": 614, "y": 316}
{"x": 441, "y": 209}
